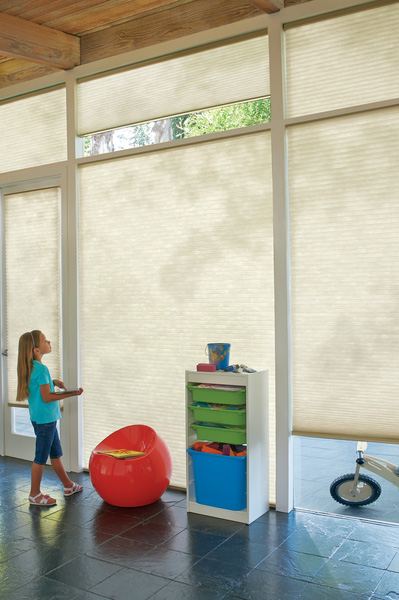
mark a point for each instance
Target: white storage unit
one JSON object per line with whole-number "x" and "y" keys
{"x": 257, "y": 440}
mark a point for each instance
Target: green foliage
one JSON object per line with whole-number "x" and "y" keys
{"x": 140, "y": 135}
{"x": 212, "y": 120}
{"x": 178, "y": 126}
{"x": 226, "y": 117}
{"x": 87, "y": 142}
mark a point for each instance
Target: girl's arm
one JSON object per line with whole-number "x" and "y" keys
{"x": 48, "y": 396}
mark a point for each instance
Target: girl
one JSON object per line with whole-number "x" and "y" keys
{"x": 35, "y": 383}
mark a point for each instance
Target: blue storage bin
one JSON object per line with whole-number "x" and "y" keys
{"x": 219, "y": 480}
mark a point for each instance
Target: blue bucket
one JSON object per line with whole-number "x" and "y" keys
{"x": 219, "y": 355}
{"x": 220, "y": 481}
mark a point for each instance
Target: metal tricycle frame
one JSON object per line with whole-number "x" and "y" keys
{"x": 379, "y": 466}
{"x": 356, "y": 489}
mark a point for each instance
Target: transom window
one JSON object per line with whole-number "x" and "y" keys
{"x": 222, "y": 118}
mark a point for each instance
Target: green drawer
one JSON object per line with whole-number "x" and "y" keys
{"x": 225, "y": 435}
{"x": 218, "y": 395}
{"x": 222, "y": 416}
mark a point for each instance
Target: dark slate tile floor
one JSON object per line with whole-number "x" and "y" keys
{"x": 84, "y": 549}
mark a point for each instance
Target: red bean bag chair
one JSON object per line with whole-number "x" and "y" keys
{"x": 135, "y": 481}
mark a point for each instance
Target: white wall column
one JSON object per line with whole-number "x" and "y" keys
{"x": 284, "y": 452}
{"x": 72, "y": 433}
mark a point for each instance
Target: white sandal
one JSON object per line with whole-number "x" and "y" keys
{"x": 45, "y": 500}
{"x": 73, "y": 490}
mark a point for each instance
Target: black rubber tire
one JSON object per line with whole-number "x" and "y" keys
{"x": 367, "y": 493}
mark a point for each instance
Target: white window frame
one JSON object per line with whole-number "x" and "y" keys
{"x": 29, "y": 180}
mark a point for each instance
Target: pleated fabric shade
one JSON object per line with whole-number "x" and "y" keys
{"x": 32, "y": 274}
{"x": 191, "y": 81}
{"x": 344, "y": 215}
{"x": 176, "y": 251}
{"x": 33, "y": 130}
{"x": 348, "y": 59}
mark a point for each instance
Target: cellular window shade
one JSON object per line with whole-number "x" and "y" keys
{"x": 32, "y": 275}
{"x": 344, "y": 216}
{"x": 175, "y": 251}
{"x": 343, "y": 61}
{"x": 33, "y": 130}
{"x": 210, "y": 77}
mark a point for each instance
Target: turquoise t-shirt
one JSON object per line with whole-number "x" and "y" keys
{"x": 40, "y": 411}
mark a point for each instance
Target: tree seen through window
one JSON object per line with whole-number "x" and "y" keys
{"x": 193, "y": 124}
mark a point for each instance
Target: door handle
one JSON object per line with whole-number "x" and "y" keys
{"x": 5, "y": 352}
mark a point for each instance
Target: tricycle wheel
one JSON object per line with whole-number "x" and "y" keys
{"x": 344, "y": 491}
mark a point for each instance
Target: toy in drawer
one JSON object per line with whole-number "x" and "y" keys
{"x": 224, "y": 414}
{"x": 218, "y": 394}
{"x": 224, "y": 434}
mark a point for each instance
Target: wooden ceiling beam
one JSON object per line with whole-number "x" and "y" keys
{"x": 268, "y": 6}
{"x": 102, "y": 15}
{"x": 37, "y": 43}
{"x": 15, "y": 71}
{"x": 164, "y": 26}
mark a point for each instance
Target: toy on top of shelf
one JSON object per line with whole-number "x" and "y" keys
{"x": 206, "y": 367}
{"x": 219, "y": 355}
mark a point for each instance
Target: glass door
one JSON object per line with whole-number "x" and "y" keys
{"x": 32, "y": 300}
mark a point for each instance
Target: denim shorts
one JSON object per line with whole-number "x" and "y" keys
{"x": 47, "y": 442}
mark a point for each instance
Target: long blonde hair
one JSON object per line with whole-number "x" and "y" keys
{"x": 27, "y": 342}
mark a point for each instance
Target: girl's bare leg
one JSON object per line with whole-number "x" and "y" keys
{"x": 36, "y": 479}
{"x": 58, "y": 467}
